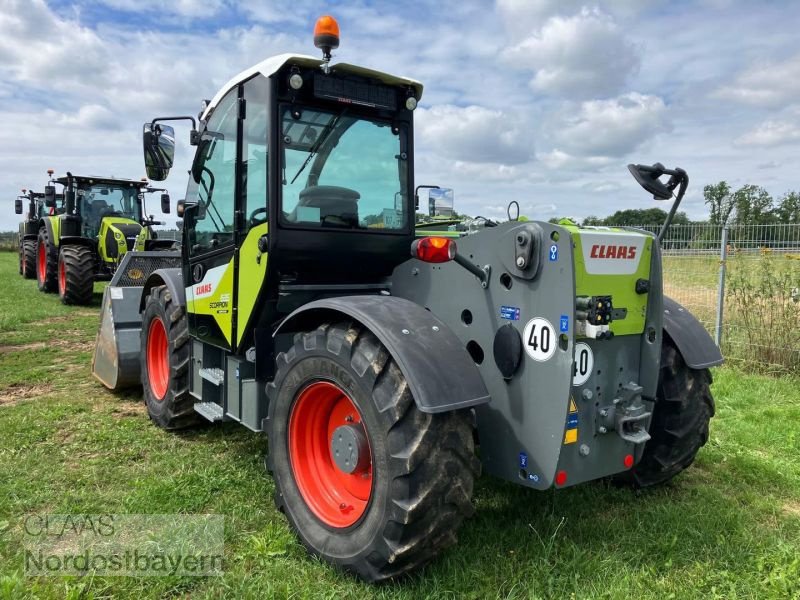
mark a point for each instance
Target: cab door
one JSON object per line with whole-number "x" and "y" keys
{"x": 211, "y": 226}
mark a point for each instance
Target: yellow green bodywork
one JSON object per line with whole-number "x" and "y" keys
{"x": 111, "y": 224}
{"x": 622, "y": 288}
{"x": 219, "y": 305}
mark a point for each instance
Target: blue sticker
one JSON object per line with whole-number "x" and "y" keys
{"x": 533, "y": 478}
{"x": 563, "y": 323}
{"x": 553, "y": 253}
{"x": 509, "y": 312}
{"x": 572, "y": 421}
{"x": 523, "y": 460}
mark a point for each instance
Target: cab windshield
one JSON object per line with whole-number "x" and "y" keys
{"x": 343, "y": 171}
{"x": 97, "y": 201}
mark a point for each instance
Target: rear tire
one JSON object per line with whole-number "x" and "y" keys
{"x": 422, "y": 466}
{"x": 684, "y": 406}
{"x": 29, "y": 259}
{"x": 21, "y": 259}
{"x": 165, "y": 361}
{"x": 76, "y": 275}
{"x": 46, "y": 263}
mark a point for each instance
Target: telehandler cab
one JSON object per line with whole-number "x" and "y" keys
{"x": 372, "y": 371}
{"x": 99, "y": 220}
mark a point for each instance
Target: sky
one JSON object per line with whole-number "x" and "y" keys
{"x": 540, "y": 101}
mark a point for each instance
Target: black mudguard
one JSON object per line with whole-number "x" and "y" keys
{"x": 172, "y": 278}
{"x": 437, "y": 367}
{"x": 695, "y": 345}
{"x": 76, "y": 240}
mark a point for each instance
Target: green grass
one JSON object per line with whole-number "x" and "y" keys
{"x": 729, "y": 527}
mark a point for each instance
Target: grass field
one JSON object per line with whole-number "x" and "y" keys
{"x": 729, "y": 527}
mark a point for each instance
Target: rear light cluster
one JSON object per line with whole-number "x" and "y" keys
{"x": 434, "y": 249}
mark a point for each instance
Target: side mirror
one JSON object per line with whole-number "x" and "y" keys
{"x": 165, "y": 203}
{"x": 18, "y": 206}
{"x": 50, "y": 196}
{"x": 180, "y": 208}
{"x": 158, "y": 143}
{"x": 647, "y": 177}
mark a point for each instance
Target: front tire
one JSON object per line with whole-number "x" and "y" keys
{"x": 684, "y": 406}
{"x": 76, "y": 275}
{"x": 165, "y": 361}
{"x": 46, "y": 262}
{"x": 408, "y": 487}
{"x": 29, "y": 259}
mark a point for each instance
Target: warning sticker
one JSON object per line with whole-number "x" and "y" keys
{"x": 571, "y": 433}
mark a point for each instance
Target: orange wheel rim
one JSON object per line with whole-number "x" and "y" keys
{"x": 157, "y": 353}
{"x": 322, "y": 420}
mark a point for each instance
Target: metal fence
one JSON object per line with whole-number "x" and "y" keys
{"x": 743, "y": 283}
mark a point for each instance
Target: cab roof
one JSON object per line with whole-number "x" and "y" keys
{"x": 272, "y": 65}
{"x": 103, "y": 180}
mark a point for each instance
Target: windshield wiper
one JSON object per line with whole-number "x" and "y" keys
{"x": 321, "y": 140}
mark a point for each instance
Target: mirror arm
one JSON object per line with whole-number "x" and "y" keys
{"x": 194, "y": 135}
{"x": 678, "y": 176}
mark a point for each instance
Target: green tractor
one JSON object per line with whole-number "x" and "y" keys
{"x": 99, "y": 220}
{"x": 375, "y": 360}
{"x": 29, "y": 229}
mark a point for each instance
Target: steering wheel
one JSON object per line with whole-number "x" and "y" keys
{"x": 253, "y": 220}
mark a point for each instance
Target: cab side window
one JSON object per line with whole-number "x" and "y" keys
{"x": 254, "y": 152}
{"x": 214, "y": 173}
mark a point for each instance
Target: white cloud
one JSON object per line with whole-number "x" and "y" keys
{"x": 771, "y": 133}
{"x": 768, "y": 84}
{"x": 582, "y": 56}
{"x": 475, "y": 134}
{"x": 90, "y": 116}
{"x": 612, "y": 128}
{"x": 186, "y": 8}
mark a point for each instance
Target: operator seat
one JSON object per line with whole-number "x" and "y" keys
{"x": 337, "y": 205}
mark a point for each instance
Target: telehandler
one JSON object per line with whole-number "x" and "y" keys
{"x": 375, "y": 360}
{"x": 98, "y": 222}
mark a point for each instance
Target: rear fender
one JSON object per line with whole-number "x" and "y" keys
{"x": 695, "y": 345}
{"x": 172, "y": 278}
{"x": 439, "y": 371}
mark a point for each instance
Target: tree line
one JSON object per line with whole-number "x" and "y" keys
{"x": 748, "y": 205}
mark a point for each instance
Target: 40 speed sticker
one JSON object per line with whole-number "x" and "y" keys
{"x": 584, "y": 363}
{"x": 540, "y": 339}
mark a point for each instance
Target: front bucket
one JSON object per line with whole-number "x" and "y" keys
{"x": 117, "y": 347}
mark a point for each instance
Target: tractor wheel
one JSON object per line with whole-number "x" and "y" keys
{"x": 165, "y": 361}
{"x": 75, "y": 275}
{"x": 21, "y": 259}
{"x": 368, "y": 482}
{"x": 46, "y": 262}
{"x": 29, "y": 259}
{"x": 679, "y": 428}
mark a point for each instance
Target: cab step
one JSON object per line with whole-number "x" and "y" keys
{"x": 209, "y": 410}
{"x": 213, "y": 375}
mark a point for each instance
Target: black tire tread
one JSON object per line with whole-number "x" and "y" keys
{"x": 179, "y": 413}
{"x": 29, "y": 259}
{"x": 79, "y": 271}
{"x": 684, "y": 406}
{"x": 432, "y": 461}
{"x": 50, "y": 283}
